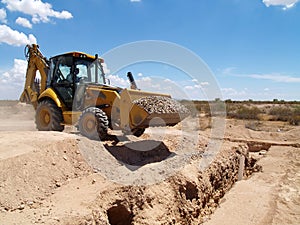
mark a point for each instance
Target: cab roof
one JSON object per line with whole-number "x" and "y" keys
{"x": 79, "y": 55}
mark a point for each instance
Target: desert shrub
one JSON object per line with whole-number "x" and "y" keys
{"x": 232, "y": 107}
{"x": 296, "y": 110}
{"x": 244, "y": 112}
{"x": 196, "y": 107}
{"x": 217, "y": 108}
{"x": 291, "y": 115}
{"x": 205, "y": 108}
{"x": 281, "y": 113}
{"x": 191, "y": 106}
{"x": 295, "y": 118}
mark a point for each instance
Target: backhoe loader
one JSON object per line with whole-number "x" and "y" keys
{"x": 73, "y": 90}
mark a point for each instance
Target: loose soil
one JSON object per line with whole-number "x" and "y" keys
{"x": 187, "y": 174}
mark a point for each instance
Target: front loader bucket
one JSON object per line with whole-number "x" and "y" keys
{"x": 139, "y": 109}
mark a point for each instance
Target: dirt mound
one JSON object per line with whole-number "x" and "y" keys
{"x": 31, "y": 174}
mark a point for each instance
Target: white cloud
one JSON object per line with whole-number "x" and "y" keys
{"x": 135, "y": 0}
{"x": 276, "y": 78}
{"x": 14, "y": 37}
{"x": 204, "y": 83}
{"x": 3, "y": 16}
{"x": 118, "y": 81}
{"x": 39, "y": 10}
{"x": 15, "y": 75}
{"x": 151, "y": 84}
{"x": 196, "y": 86}
{"x": 228, "y": 70}
{"x": 189, "y": 87}
{"x": 285, "y": 3}
{"x": 233, "y": 93}
{"x": 199, "y": 84}
{"x": 12, "y": 81}
{"x": 195, "y": 91}
{"x": 23, "y": 22}
{"x": 145, "y": 79}
{"x": 266, "y": 93}
{"x": 162, "y": 85}
{"x": 257, "y": 94}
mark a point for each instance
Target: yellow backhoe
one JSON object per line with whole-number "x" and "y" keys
{"x": 73, "y": 90}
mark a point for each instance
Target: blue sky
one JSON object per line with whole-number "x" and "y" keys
{"x": 251, "y": 46}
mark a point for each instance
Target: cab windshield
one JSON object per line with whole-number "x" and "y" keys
{"x": 89, "y": 71}
{"x": 75, "y": 70}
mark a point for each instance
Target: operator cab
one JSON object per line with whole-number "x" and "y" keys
{"x": 70, "y": 73}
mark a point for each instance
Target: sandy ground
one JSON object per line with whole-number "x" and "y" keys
{"x": 64, "y": 178}
{"x": 270, "y": 197}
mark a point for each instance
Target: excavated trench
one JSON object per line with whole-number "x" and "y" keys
{"x": 187, "y": 197}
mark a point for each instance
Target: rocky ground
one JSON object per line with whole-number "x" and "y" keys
{"x": 185, "y": 174}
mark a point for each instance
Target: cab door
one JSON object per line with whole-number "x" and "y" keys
{"x": 62, "y": 79}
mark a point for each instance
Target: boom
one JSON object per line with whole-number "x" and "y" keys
{"x": 36, "y": 61}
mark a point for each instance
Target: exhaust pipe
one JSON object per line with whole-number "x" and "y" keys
{"x": 132, "y": 82}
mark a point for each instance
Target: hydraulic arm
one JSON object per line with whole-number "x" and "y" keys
{"x": 36, "y": 62}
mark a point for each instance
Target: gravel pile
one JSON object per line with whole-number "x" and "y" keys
{"x": 160, "y": 105}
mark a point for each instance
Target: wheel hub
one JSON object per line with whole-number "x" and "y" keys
{"x": 45, "y": 116}
{"x": 90, "y": 124}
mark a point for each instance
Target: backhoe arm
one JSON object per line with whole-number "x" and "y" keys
{"x": 36, "y": 61}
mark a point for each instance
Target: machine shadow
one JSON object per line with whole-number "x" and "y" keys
{"x": 139, "y": 153}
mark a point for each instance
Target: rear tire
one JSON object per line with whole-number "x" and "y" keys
{"x": 93, "y": 123}
{"x": 48, "y": 117}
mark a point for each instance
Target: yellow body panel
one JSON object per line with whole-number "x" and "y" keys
{"x": 50, "y": 93}
{"x": 71, "y": 117}
{"x": 96, "y": 96}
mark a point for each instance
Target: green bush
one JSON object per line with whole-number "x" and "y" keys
{"x": 244, "y": 112}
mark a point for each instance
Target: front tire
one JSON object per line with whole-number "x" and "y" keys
{"x": 93, "y": 123}
{"x": 48, "y": 117}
